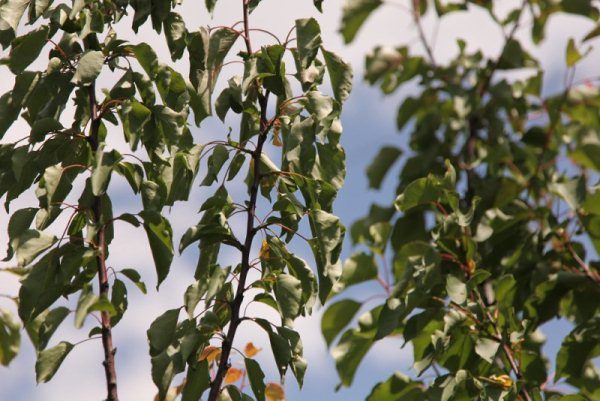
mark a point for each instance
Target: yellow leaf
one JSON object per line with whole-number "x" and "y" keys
{"x": 274, "y": 392}
{"x": 210, "y": 353}
{"x": 264, "y": 250}
{"x": 471, "y": 266}
{"x": 250, "y": 350}
{"x": 233, "y": 375}
{"x": 503, "y": 380}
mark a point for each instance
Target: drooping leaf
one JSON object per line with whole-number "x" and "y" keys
{"x": 160, "y": 238}
{"x": 381, "y": 165}
{"x": 340, "y": 74}
{"x": 336, "y": 317}
{"x": 308, "y": 35}
{"x": 162, "y": 331}
{"x": 25, "y": 49}
{"x": 256, "y": 378}
{"x": 354, "y": 14}
{"x": 10, "y": 337}
{"x": 49, "y": 361}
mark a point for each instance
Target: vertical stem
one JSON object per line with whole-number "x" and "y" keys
{"x": 107, "y": 343}
{"x": 416, "y": 14}
{"x": 226, "y": 346}
{"x": 508, "y": 351}
{"x": 474, "y": 125}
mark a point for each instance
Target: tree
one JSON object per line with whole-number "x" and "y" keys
{"x": 492, "y": 233}
{"x": 71, "y": 158}
{"x": 493, "y": 230}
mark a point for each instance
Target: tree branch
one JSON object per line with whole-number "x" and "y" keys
{"x": 107, "y": 343}
{"x": 236, "y": 319}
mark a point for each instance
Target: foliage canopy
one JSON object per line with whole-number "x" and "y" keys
{"x": 493, "y": 232}
{"x": 494, "y": 227}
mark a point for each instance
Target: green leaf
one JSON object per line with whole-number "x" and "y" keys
{"x": 197, "y": 382}
{"x": 326, "y": 244}
{"x": 135, "y": 277}
{"x": 487, "y": 348}
{"x": 124, "y": 88}
{"x": 160, "y": 237}
{"x": 340, "y": 74}
{"x": 381, "y": 165}
{"x": 573, "y": 54}
{"x": 358, "y": 268}
{"x": 308, "y": 35}
{"x": 49, "y": 361}
{"x": 337, "y": 316}
{"x": 10, "y": 337}
{"x": 147, "y": 58}
{"x": 193, "y": 295}
{"x": 425, "y": 190}
{"x": 9, "y": 112}
{"x": 354, "y": 14}
{"x": 51, "y": 321}
{"x": 288, "y": 293}
{"x": 162, "y": 331}
{"x": 176, "y": 34}
{"x": 84, "y": 304}
{"x": 89, "y": 67}
{"x": 30, "y": 244}
{"x": 48, "y": 278}
{"x": 572, "y": 191}
{"x": 19, "y": 222}
{"x": 398, "y": 387}
{"x": 457, "y": 290}
{"x": 281, "y": 351}
{"x": 210, "y": 5}
{"x": 390, "y": 318}
{"x": 11, "y": 12}
{"x": 318, "y": 4}
{"x": 42, "y": 127}
{"x": 133, "y": 173}
{"x": 348, "y": 354}
{"x": 579, "y": 347}
{"x": 256, "y": 378}
{"x": 25, "y": 49}
{"x": 101, "y": 173}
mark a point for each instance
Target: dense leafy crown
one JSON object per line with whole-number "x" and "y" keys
{"x": 101, "y": 106}
{"x": 494, "y": 230}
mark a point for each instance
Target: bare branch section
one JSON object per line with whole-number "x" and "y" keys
{"x": 107, "y": 342}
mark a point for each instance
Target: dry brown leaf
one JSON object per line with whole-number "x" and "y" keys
{"x": 276, "y": 139}
{"x": 233, "y": 375}
{"x": 210, "y": 353}
{"x": 250, "y": 350}
{"x": 274, "y": 392}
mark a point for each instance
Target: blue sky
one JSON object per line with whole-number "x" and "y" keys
{"x": 368, "y": 121}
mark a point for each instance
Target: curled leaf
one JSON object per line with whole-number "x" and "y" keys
{"x": 210, "y": 353}
{"x": 264, "y": 250}
{"x": 233, "y": 375}
{"x": 274, "y": 392}
{"x": 250, "y": 350}
{"x": 503, "y": 380}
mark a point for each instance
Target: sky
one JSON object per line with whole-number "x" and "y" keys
{"x": 368, "y": 121}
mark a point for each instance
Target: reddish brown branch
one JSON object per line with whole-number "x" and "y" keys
{"x": 107, "y": 343}
{"x": 236, "y": 304}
